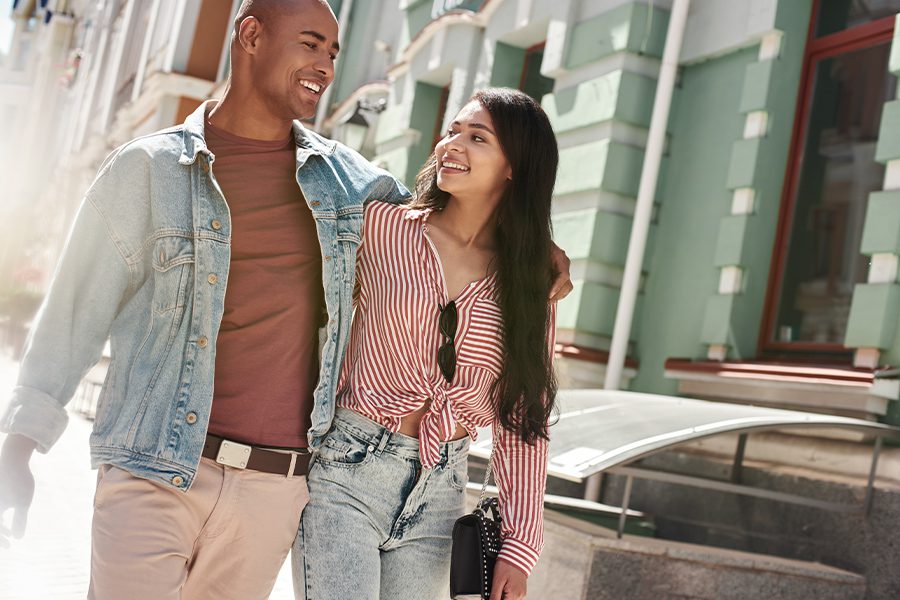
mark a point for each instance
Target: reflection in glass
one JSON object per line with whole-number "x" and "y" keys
{"x": 838, "y": 172}
{"x": 837, "y": 15}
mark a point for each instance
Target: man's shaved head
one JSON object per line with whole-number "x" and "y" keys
{"x": 268, "y": 11}
{"x": 282, "y": 55}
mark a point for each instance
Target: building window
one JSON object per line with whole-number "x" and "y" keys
{"x": 831, "y": 172}
{"x": 439, "y": 120}
{"x": 834, "y": 16}
{"x": 427, "y": 117}
{"x": 532, "y": 82}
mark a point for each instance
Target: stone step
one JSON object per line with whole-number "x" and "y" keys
{"x": 582, "y": 561}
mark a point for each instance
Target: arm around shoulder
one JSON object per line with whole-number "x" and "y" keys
{"x": 389, "y": 189}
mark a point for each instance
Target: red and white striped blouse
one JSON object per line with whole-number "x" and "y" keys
{"x": 391, "y": 367}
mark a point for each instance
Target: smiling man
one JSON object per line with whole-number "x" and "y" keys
{"x": 212, "y": 310}
{"x": 209, "y": 254}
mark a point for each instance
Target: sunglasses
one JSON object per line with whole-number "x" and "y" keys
{"x": 447, "y": 322}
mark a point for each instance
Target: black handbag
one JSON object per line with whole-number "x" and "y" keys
{"x": 476, "y": 544}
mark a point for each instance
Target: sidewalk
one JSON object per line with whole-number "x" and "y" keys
{"x": 52, "y": 562}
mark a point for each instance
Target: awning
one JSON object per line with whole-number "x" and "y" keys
{"x": 604, "y": 430}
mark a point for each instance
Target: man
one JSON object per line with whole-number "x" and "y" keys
{"x": 202, "y": 426}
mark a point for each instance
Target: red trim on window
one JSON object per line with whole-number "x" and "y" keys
{"x": 848, "y": 40}
{"x": 529, "y": 53}
{"x": 773, "y": 371}
{"x": 438, "y": 126}
{"x": 817, "y": 49}
{"x": 589, "y": 355}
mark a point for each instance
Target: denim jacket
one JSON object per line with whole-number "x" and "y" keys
{"x": 136, "y": 269}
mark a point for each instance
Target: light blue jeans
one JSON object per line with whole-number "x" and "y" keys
{"x": 378, "y": 524}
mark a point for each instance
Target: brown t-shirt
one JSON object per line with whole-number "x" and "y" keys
{"x": 267, "y": 349}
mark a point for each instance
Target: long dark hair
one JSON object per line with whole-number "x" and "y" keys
{"x": 525, "y": 392}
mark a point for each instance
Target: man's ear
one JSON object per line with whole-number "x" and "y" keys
{"x": 248, "y": 35}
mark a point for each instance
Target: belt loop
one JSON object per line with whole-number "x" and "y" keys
{"x": 385, "y": 438}
{"x": 290, "y": 472}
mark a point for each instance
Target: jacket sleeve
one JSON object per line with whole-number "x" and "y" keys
{"x": 91, "y": 281}
{"x": 389, "y": 189}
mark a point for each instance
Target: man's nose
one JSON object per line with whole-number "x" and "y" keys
{"x": 325, "y": 66}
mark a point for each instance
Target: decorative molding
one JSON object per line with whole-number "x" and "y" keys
{"x": 600, "y": 199}
{"x": 617, "y": 131}
{"x": 589, "y": 354}
{"x": 731, "y": 280}
{"x": 770, "y": 45}
{"x": 892, "y": 175}
{"x": 620, "y": 61}
{"x": 756, "y": 124}
{"x": 743, "y": 201}
{"x": 866, "y": 358}
{"x": 717, "y": 352}
{"x": 851, "y": 388}
{"x": 883, "y": 268}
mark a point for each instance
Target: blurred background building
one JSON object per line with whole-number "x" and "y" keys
{"x": 771, "y": 274}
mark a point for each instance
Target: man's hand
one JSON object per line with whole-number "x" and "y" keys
{"x": 16, "y": 486}
{"x": 562, "y": 286}
{"x": 509, "y": 582}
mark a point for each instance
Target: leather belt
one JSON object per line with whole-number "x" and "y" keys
{"x": 243, "y": 456}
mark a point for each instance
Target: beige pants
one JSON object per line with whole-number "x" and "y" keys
{"x": 226, "y": 537}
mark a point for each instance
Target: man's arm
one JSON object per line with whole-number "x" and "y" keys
{"x": 389, "y": 189}
{"x": 91, "y": 282}
{"x": 70, "y": 330}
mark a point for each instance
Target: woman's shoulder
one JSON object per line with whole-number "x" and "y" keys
{"x": 385, "y": 214}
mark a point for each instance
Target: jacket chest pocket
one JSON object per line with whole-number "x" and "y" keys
{"x": 349, "y": 238}
{"x": 173, "y": 272}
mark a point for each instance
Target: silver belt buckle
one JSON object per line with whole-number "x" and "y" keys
{"x": 233, "y": 454}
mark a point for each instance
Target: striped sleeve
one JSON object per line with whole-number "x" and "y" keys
{"x": 521, "y": 473}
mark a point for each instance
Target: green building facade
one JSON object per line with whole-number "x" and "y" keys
{"x": 771, "y": 272}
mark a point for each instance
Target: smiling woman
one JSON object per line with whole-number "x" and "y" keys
{"x": 451, "y": 331}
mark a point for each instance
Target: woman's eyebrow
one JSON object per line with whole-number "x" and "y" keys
{"x": 475, "y": 125}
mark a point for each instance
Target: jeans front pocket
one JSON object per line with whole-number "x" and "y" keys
{"x": 343, "y": 449}
{"x": 459, "y": 474}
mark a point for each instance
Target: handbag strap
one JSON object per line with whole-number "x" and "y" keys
{"x": 487, "y": 474}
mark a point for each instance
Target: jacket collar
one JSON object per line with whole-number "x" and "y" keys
{"x": 195, "y": 141}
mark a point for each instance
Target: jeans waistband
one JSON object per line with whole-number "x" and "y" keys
{"x": 386, "y": 440}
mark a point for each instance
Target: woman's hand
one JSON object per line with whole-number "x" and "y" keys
{"x": 509, "y": 582}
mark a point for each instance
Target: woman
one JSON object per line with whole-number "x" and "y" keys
{"x": 452, "y": 331}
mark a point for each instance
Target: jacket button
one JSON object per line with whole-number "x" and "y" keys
{"x": 202, "y": 342}
{"x": 216, "y": 224}
{"x": 213, "y": 279}
{"x": 191, "y": 418}
{"x": 327, "y": 258}
{"x": 178, "y": 481}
